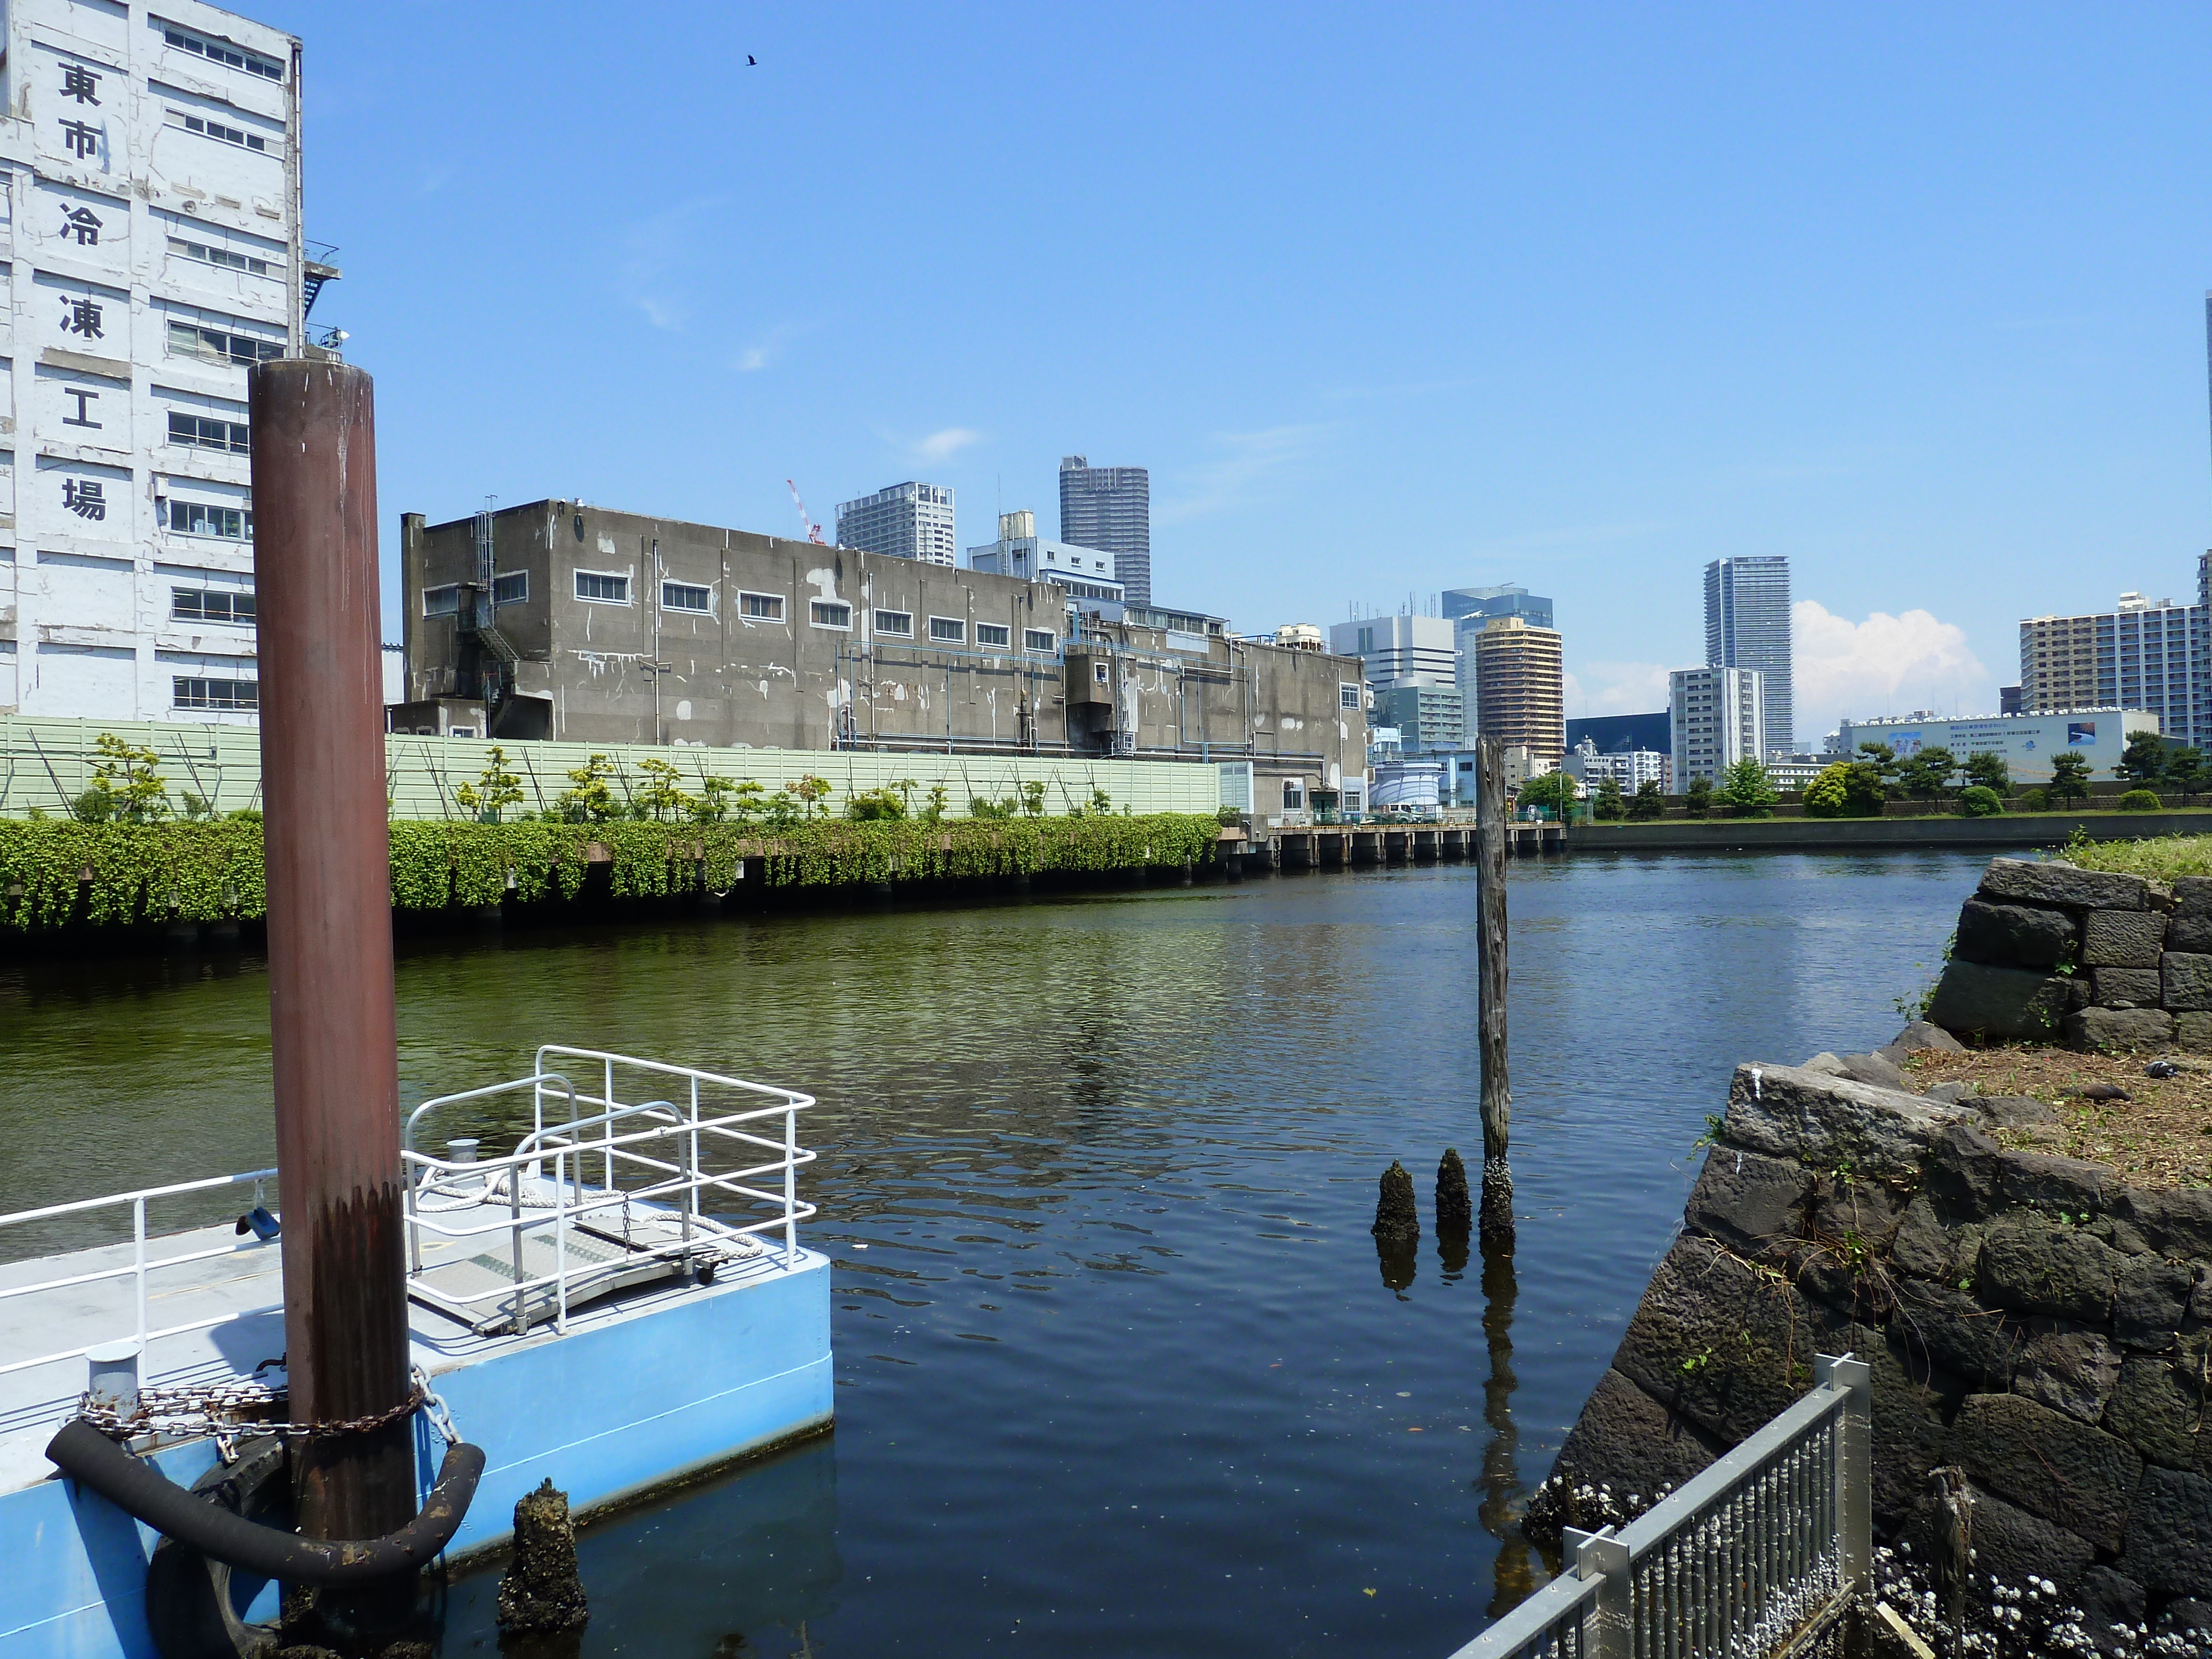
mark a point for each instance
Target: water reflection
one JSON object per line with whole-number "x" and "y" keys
{"x": 735, "y": 1568}
{"x": 1504, "y": 1497}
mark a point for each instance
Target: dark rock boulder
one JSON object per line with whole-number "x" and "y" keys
{"x": 1963, "y": 1170}
{"x": 1925, "y": 1248}
{"x": 2069, "y": 1368}
{"x": 2158, "y": 1410}
{"x": 1725, "y": 1347}
{"x": 2186, "y": 982}
{"x": 2010, "y": 1543}
{"x": 2014, "y": 935}
{"x": 1944, "y": 1327}
{"x": 2150, "y": 1299}
{"x": 2009, "y": 1004}
{"x": 1789, "y": 1113}
{"x": 2036, "y": 1181}
{"x": 2122, "y": 939}
{"x": 2049, "y": 1464}
{"x": 2111, "y": 1606}
{"x": 2051, "y": 881}
{"x": 1625, "y": 1441}
{"x": 2169, "y": 1544}
{"x": 1919, "y": 1035}
{"x": 2192, "y": 896}
{"x": 1749, "y": 1197}
{"x": 2117, "y": 1030}
{"x": 2176, "y": 1222}
{"x": 2033, "y": 1265}
{"x": 2126, "y": 987}
{"x": 2191, "y": 935}
{"x": 1881, "y": 1072}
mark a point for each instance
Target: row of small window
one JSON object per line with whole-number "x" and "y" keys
{"x": 210, "y": 432}
{"x": 211, "y": 604}
{"x": 221, "y": 345}
{"x": 208, "y": 254}
{"x": 230, "y": 696}
{"x": 216, "y": 130}
{"x": 219, "y": 52}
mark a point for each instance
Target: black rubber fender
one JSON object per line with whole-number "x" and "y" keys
{"x": 139, "y": 1489}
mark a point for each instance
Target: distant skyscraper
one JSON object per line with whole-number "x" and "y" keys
{"x": 907, "y": 521}
{"x": 1520, "y": 688}
{"x": 1470, "y": 611}
{"x": 1717, "y": 718}
{"x": 1747, "y": 626}
{"x": 1110, "y": 508}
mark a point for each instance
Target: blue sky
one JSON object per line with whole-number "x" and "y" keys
{"x": 1390, "y": 300}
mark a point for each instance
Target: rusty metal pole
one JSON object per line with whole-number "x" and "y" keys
{"x": 1496, "y": 1216}
{"x": 331, "y": 1021}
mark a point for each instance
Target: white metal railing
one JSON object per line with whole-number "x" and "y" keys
{"x": 141, "y": 1263}
{"x": 1773, "y": 1537}
{"x": 658, "y": 1160}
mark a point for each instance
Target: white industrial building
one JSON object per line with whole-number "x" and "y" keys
{"x": 1085, "y": 573}
{"x": 1629, "y": 768}
{"x": 1719, "y": 718}
{"x": 151, "y": 209}
{"x": 2028, "y": 742}
{"x": 1400, "y": 647}
{"x": 909, "y": 520}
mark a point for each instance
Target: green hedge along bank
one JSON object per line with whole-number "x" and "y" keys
{"x": 62, "y": 873}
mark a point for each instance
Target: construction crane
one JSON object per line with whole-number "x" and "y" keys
{"x": 813, "y": 530}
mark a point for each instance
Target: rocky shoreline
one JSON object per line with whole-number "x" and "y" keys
{"x": 2040, "y": 1331}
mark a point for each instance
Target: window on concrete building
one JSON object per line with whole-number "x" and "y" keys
{"x": 900, "y": 623}
{"x": 1348, "y": 695}
{"x": 827, "y": 614}
{"x": 1098, "y": 671}
{"x": 766, "y": 607}
{"x": 220, "y": 51}
{"x": 218, "y": 130}
{"x": 209, "y": 254}
{"x": 210, "y": 432}
{"x": 232, "y": 523}
{"x": 221, "y": 345}
{"x": 512, "y": 589}
{"x": 215, "y": 604}
{"x": 447, "y": 601}
{"x": 948, "y": 630}
{"x": 602, "y": 587}
{"x": 220, "y": 695}
{"x": 1038, "y": 639}
{"x": 1294, "y": 794}
{"x": 992, "y": 634}
{"x": 686, "y": 596}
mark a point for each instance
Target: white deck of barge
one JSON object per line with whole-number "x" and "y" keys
{"x": 241, "y": 1292}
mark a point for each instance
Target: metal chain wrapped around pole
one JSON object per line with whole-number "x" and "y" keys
{"x": 1497, "y": 1215}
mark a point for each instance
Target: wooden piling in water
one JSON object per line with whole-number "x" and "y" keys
{"x": 1489, "y": 829}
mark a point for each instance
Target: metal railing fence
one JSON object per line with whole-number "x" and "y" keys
{"x": 656, "y": 1160}
{"x": 139, "y": 1267}
{"x": 1772, "y": 1538}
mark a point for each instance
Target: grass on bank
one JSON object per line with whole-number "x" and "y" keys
{"x": 2159, "y": 858}
{"x": 206, "y": 870}
{"x": 2160, "y": 1136}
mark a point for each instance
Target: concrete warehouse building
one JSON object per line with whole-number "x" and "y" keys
{"x": 150, "y": 202}
{"x": 563, "y": 621}
{"x": 2026, "y": 742}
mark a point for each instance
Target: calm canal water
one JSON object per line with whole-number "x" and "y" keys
{"x": 1117, "y": 1371}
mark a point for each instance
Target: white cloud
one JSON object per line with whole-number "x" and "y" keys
{"x": 1246, "y": 457}
{"x": 766, "y": 349}
{"x": 1884, "y": 665}
{"x": 1616, "y": 688}
{"x": 659, "y": 255}
{"x": 938, "y": 446}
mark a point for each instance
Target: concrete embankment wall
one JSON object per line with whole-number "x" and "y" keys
{"x": 2036, "y": 829}
{"x": 2040, "y": 1333}
{"x": 46, "y": 764}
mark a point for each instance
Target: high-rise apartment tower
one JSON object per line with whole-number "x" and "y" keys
{"x": 149, "y": 203}
{"x": 1520, "y": 688}
{"x": 2144, "y": 653}
{"x": 1110, "y": 508}
{"x": 907, "y": 521}
{"x": 1719, "y": 717}
{"x": 1747, "y": 626}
